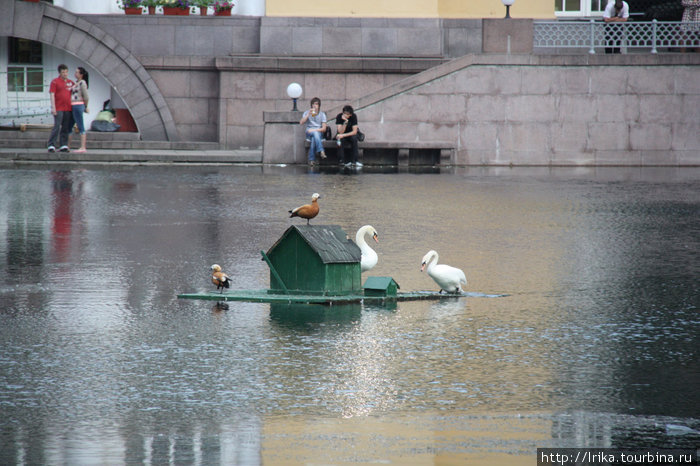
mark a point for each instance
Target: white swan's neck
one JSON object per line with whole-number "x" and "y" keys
{"x": 369, "y": 257}
{"x": 360, "y": 237}
{"x": 432, "y": 260}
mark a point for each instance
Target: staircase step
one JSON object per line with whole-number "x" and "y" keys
{"x": 36, "y": 138}
{"x": 137, "y": 156}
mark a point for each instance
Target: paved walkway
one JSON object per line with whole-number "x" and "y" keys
{"x": 132, "y": 156}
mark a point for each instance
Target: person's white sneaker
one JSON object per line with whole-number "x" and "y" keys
{"x": 52, "y": 149}
{"x": 358, "y": 164}
{"x": 64, "y": 149}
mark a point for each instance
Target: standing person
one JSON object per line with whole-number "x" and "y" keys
{"x": 691, "y": 22}
{"x": 59, "y": 91}
{"x": 79, "y": 101}
{"x": 347, "y": 135}
{"x": 315, "y": 121}
{"x": 617, "y": 11}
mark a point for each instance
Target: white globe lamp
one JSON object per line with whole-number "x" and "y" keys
{"x": 294, "y": 91}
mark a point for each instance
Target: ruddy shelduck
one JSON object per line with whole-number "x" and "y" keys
{"x": 307, "y": 211}
{"x": 219, "y": 278}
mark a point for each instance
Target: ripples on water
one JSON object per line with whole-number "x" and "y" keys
{"x": 598, "y": 328}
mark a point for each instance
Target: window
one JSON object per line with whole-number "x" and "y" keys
{"x": 578, "y": 8}
{"x": 25, "y": 72}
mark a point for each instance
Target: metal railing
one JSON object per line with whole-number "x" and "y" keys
{"x": 631, "y": 35}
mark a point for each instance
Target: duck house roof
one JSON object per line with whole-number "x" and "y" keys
{"x": 330, "y": 242}
{"x": 379, "y": 283}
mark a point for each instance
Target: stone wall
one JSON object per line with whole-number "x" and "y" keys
{"x": 207, "y": 80}
{"x": 177, "y": 36}
{"x": 190, "y": 86}
{"x": 218, "y": 75}
{"x": 168, "y": 36}
{"x": 223, "y": 99}
{"x": 496, "y": 109}
{"x": 370, "y": 37}
{"x": 251, "y": 86}
{"x": 522, "y": 110}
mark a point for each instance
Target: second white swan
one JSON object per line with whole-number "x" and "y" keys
{"x": 369, "y": 257}
{"x": 449, "y": 278}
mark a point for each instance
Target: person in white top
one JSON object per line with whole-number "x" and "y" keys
{"x": 315, "y": 121}
{"x": 79, "y": 103}
{"x": 617, "y": 11}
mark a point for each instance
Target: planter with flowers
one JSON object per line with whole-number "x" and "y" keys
{"x": 176, "y": 7}
{"x": 222, "y": 8}
{"x": 203, "y": 6}
{"x": 151, "y": 5}
{"x": 130, "y": 7}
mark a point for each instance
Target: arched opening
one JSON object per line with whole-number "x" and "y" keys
{"x": 66, "y": 36}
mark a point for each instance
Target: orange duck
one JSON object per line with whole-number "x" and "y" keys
{"x": 219, "y": 278}
{"x": 307, "y": 211}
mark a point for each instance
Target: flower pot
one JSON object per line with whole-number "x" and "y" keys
{"x": 151, "y": 10}
{"x": 175, "y": 11}
{"x": 203, "y": 10}
{"x": 133, "y": 11}
{"x": 225, "y": 12}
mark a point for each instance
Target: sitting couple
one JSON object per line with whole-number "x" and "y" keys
{"x": 316, "y": 124}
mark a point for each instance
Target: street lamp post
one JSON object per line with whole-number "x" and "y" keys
{"x": 508, "y": 3}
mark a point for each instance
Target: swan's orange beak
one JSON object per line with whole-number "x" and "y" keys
{"x": 376, "y": 238}
{"x": 422, "y": 266}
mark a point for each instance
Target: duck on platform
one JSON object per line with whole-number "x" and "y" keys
{"x": 369, "y": 257}
{"x": 449, "y": 278}
{"x": 219, "y": 278}
{"x": 307, "y": 211}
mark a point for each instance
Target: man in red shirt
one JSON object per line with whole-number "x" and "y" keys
{"x": 61, "y": 109}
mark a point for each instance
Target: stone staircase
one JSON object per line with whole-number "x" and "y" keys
{"x": 37, "y": 137}
{"x": 29, "y": 146}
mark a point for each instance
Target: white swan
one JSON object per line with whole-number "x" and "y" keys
{"x": 369, "y": 257}
{"x": 449, "y": 278}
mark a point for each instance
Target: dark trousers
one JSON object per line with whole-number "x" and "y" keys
{"x": 62, "y": 124}
{"x": 348, "y": 142}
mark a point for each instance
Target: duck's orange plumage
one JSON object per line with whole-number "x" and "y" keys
{"x": 219, "y": 278}
{"x": 307, "y": 211}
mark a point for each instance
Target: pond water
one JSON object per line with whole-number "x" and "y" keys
{"x": 594, "y": 343}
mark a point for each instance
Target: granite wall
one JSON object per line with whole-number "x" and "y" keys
{"x": 495, "y": 109}
{"x": 203, "y": 36}
{"x": 526, "y": 111}
{"x": 219, "y": 75}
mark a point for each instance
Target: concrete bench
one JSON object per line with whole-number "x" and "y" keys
{"x": 400, "y": 153}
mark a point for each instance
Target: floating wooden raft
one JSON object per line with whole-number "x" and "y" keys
{"x": 266, "y": 296}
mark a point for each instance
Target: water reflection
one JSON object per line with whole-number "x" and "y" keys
{"x": 308, "y": 316}
{"x": 376, "y": 169}
{"x": 592, "y": 342}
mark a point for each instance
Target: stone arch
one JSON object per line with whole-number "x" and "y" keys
{"x": 54, "y": 26}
